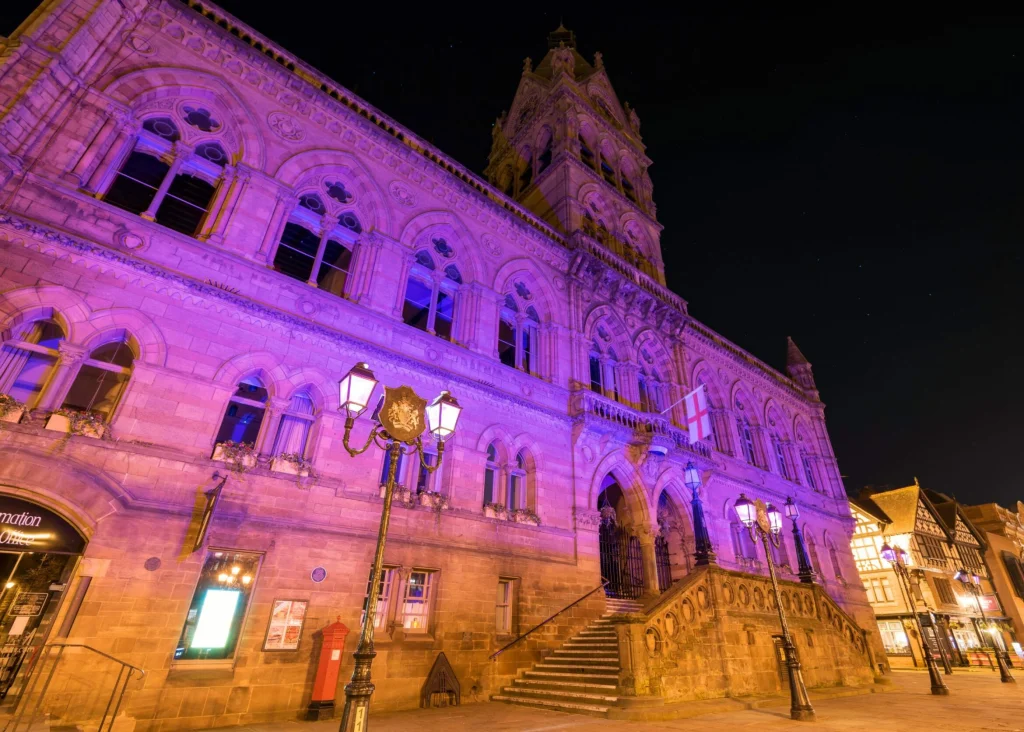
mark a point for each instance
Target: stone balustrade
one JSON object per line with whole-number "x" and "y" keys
{"x": 716, "y": 634}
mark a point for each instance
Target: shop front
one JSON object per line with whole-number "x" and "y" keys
{"x": 39, "y": 552}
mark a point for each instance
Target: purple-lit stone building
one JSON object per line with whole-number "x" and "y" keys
{"x": 200, "y": 234}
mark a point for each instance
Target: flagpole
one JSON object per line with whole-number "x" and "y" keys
{"x": 680, "y": 400}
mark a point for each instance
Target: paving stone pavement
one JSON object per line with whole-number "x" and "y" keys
{"x": 976, "y": 702}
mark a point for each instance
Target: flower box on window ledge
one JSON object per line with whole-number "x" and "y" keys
{"x": 291, "y": 464}
{"x": 11, "y": 410}
{"x": 73, "y": 422}
{"x": 402, "y": 494}
{"x": 525, "y": 516}
{"x": 433, "y": 500}
{"x": 242, "y": 455}
{"x": 495, "y": 511}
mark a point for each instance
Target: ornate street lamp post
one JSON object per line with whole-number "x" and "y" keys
{"x": 765, "y": 522}
{"x": 703, "y": 553}
{"x": 803, "y": 562}
{"x": 897, "y": 558}
{"x": 400, "y": 422}
{"x": 972, "y": 583}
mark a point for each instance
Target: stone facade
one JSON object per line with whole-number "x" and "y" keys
{"x": 200, "y": 234}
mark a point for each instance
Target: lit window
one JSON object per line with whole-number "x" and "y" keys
{"x": 430, "y": 305}
{"x": 503, "y": 607}
{"x": 894, "y": 637}
{"x": 244, "y": 415}
{"x": 101, "y": 381}
{"x": 218, "y": 606}
{"x": 27, "y": 360}
{"x": 416, "y": 605}
{"x": 517, "y": 484}
{"x": 865, "y": 553}
{"x": 380, "y": 615}
{"x": 879, "y": 590}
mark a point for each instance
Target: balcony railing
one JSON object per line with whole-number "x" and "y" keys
{"x": 644, "y": 425}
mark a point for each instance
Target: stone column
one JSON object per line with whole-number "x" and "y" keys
{"x": 69, "y": 360}
{"x": 271, "y": 422}
{"x": 286, "y": 202}
{"x": 180, "y": 156}
{"x": 102, "y": 165}
{"x": 229, "y": 192}
{"x": 650, "y": 562}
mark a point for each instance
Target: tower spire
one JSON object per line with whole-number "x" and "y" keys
{"x": 561, "y": 36}
{"x": 799, "y": 370}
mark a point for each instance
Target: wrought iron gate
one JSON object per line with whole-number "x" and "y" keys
{"x": 663, "y": 561}
{"x": 622, "y": 562}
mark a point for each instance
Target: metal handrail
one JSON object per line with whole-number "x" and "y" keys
{"x": 120, "y": 683}
{"x": 604, "y": 583}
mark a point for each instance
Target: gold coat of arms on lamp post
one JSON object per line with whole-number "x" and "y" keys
{"x": 401, "y": 420}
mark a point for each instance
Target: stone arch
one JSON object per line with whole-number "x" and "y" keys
{"x": 38, "y": 302}
{"x": 137, "y": 88}
{"x": 625, "y": 474}
{"x": 704, "y": 373}
{"x": 316, "y": 383}
{"x": 617, "y": 331}
{"x": 467, "y": 249}
{"x": 523, "y": 269}
{"x": 150, "y": 346}
{"x": 321, "y": 163}
{"x": 637, "y": 234}
{"x": 670, "y": 483}
{"x": 648, "y": 338}
{"x": 85, "y": 496}
{"x": 740, "y": 394}
{"x": 773, "y": 413}
{"x": 492, "y": 433}
{"x": 802, "y": 434}
{"x": 261, "y": 364}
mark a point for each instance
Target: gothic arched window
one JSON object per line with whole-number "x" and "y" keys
{"x": 809, "y": 471}
{"x": 518, "y": 327}
{"x": 162, "y": 185}
{"x": 430, "y": 300}
{"x": 321, "y": 259}
{"x": 517, "y": 483}
{"x": 780, "y": 457}
{"x": 742, "y": 544}
{"x": 833, "y": 556}
{"x": 544, "y": 157}
{"x": 491, "y": 474}
{"x": 245, "y": 412}
{"x": 596, "y": 370}
{"x": 746, "y": 439}
{"x": 101, "y": 380}
{"x": 295, "y": 427}
{"x": 28, "y": 359}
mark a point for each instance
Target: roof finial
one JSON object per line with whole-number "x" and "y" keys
{"x": 916, "y": 483}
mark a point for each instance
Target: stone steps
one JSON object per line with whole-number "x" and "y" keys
{"x": 579, "y": 677}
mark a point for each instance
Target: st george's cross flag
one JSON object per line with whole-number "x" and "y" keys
{"x": 698, "y": 419}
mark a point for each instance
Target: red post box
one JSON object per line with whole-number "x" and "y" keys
{"x": 321, "y": 705}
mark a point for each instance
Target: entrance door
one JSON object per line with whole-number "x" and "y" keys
{"x": 39, "y": 551}
{"x": 622, "y": 563}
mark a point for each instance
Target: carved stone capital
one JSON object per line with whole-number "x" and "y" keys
{"x": 587, "y": 520}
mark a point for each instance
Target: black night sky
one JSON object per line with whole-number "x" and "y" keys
{"x": 851, "y": 180}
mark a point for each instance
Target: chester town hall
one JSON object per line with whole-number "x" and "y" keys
{"x": 200, "y": 235}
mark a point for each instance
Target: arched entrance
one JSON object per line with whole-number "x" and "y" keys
{"x": 622, "y": 561}
{"x": 39, "y": 551}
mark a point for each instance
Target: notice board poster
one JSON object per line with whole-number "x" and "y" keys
{"x": 285, "y": 629}
{"x": 29, "y": 604}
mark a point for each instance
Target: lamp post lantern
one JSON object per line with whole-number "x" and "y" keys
{"x": 804, "y": 569}
{"x": 401, "y": 420}
{"x": 972, "y": 583}
{"x": 897, "y": 558}
{"x": 764, "y": 522}
{"x": 703, "y": 553}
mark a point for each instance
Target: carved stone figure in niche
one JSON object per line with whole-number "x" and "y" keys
{"x": 527, "y": 65}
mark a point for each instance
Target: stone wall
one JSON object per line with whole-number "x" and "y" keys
{"x": 713, "y": 635}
